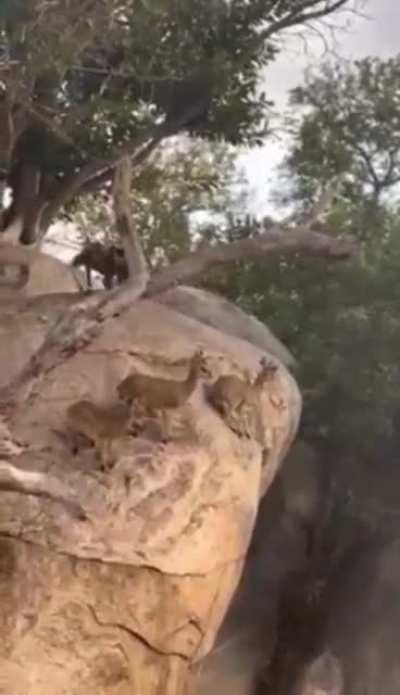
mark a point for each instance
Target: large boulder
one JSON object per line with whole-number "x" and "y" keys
{"x": 246, "y": 641}
{"x": 130, "y": 600}
{"x": 217, "y": 312}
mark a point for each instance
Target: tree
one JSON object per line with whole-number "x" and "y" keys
{"x": 343, "y": 326}
{"x": 341, "y": 322}
{"x": 126, "y": 76}
{"x": 174, "y": 194}
{"x": 123, "y": 83}
{"x": 351, "y": 127}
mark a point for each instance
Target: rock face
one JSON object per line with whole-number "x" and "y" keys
{"x": 43, "y": 269}
{"x": 247, "y": 639}
{"x": 47, "y": 275}
{"x": 130, "y": 600}
{"x": 217, "y": 312}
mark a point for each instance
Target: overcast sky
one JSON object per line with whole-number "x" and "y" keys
{"x": 375, "y": 34}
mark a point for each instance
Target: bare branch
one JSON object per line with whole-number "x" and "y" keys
{"x": 367, "y": 159}
{"x": 275, "y": 241}
{"x": 133, "y": 250}
{"x": 76, "y": 328}
{"x": 83, "y": 321}
{"x": 301, "y": 16}
{"x": 322, "y": 204}
{"x": 14, "y": 479}
{"x": 72, "y": 330}
{"x": 94, "y": 169}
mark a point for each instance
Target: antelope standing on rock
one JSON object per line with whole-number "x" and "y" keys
{"x": 237, "y": 399}
{"x": 102, "y": 425}
{"x": 156, "y": 394}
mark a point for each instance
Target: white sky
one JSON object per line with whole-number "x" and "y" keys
{"x": 375, "y": 33}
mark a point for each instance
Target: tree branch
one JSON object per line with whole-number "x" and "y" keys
{"x": 7, "y": 136}
{"x": 138, "y": 150}
{"x": 82, "y": 322}
{"x": 323, "y": 203}
{"x": 121, "y": 193}
{"x": 367, "y": 159}
{"x": 275, "y": 241}
{"x": 299, "y": 16}
{"x": 14, "y": 479}
{"x": 125, "y": 295}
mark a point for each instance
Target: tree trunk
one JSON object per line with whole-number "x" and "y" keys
{"x": 24, "y": 212}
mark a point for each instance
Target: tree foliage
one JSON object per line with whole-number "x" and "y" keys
{"x": 126, "y": 74}
{"x": 174, "y": 195}
{"x": 351, "y": 127}
{"x": 340, "y": 321}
